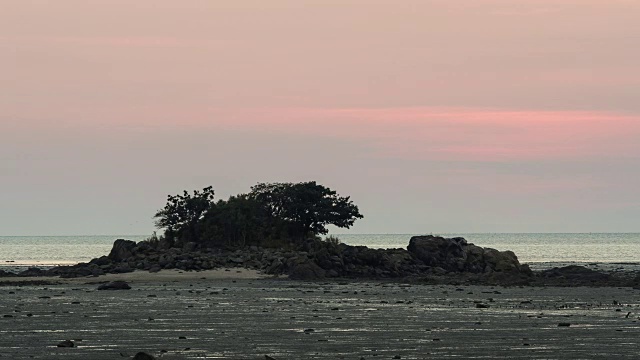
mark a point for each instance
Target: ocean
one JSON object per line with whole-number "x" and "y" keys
{"x": 46, "y": 251}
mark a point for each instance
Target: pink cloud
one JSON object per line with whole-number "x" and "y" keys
{"x": 457, "y": 134}
{"x": 441, "y": 134}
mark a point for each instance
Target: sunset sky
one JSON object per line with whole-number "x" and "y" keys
{"x": 434, "y": 116}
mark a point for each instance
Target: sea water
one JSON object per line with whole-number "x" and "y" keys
{"x": 47, "y": 251}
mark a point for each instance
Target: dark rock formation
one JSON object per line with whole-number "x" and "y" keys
{"x": 305, "y": 269}
{"x": 66, "y": 344}
{"x": 33, "y": 272}
{"x": 115, "y": 285}
{"x": 143, "y": 356}
{"x": 122, "y": 250}
{"x": 427, "y": 259}
{"x": 7, "y": 274}
{"x": 456, "y": 255}
{"x": 575, "y": 275}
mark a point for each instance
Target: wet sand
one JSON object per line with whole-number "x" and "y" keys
{"x": 230, "y": 315}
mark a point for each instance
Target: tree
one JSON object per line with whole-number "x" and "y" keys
{"x": 183, "y": 212}
{"x": 307, "y": 207}
{"x": 238, "y": 221}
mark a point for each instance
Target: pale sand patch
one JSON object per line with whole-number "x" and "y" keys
{"x": 147, "y": 277}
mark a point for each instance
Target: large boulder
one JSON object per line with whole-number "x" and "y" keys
{"x": 304, "y": 269}
{"x": 456, "y": 255}
{"x": 122, "y": 250}
{"x": 437, "y": 251}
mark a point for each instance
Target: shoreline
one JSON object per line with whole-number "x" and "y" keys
{"x": 610, "y": 267}
{"x": 427, "y": 259}
{"x": 145, "y": 277}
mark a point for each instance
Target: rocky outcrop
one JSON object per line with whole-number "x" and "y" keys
{"x": 305, "y": 269}
{"x": 456, "y": 255}
{"x": 311, "y": 260}
{"x": 122, "y": 250}
{"x": 575, "y": 275}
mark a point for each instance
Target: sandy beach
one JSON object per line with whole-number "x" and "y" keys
{"x": 244, "y": 315}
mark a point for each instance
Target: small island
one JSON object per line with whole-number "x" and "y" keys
{"x": 255, "y": 277}
{"x": 277, "y": 229}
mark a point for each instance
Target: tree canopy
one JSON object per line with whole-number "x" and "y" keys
{"x": 307, "y": 206}
{"x": 271, "y": 212}
{"x": 183, "y": 212}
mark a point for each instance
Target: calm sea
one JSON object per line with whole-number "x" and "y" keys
{"x": 530, "y": 248}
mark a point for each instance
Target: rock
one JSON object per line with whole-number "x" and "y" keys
{"x": 115, "y": 285}
{"x": 575, "y": 275}
{"x": 143, "y": 356}
{"x": 122, "y": 268}
{"x": 101, "y": 261}
{"x": 305, "y": 270}
{"x": 155, "y": 268}
{"x": 501, "y": 260}
{"x": 190, "y": 246}
{"x": 122, "y": 250}
{"x": 275, "y": 268}
{"x": 438, "y": 251}
{"x": 456, "y": 255}
{"x": 33, "y": 271}
{"x": 6, "y": 274}
{"x": 66, "y": 344}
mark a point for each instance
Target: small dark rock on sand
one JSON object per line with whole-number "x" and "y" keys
{"x": 115, "y": 285}
{"x": 66, "y": 344}
{"x": 143, "y": 356}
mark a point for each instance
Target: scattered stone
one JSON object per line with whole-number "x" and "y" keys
{"x": 143, "y": 356}
{"x": 66, "y": 344}
{"x": 115, "y": 285}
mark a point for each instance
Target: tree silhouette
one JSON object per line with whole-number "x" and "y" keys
{"x": 308, "y": 207}
{"x": 183, "y": 212}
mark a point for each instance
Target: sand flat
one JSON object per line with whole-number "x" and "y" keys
{"x": 147, "y": 277}
{"x": 225, "y": 318}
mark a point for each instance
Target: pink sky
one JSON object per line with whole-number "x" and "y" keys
{"x": 455, "y": 113}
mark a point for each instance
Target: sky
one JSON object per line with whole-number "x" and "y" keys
{"x": 435, "y": 116}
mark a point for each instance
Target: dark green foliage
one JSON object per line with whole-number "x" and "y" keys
{"x": 182, "y": 214}
{"x": 306, "y": 207}
{"x": 270, "y": 215}
{"x": 238, "y": 221}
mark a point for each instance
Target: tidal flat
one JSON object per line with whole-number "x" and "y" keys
{"x": 204, "y": 317}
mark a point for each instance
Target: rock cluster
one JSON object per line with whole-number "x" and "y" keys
{"x": 456, "y": 255}
{"x": 315, "y": 259}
